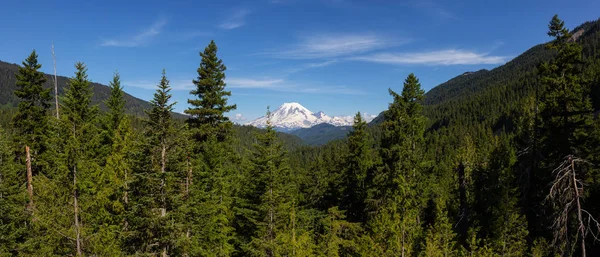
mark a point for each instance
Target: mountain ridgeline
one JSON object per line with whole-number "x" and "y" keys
{"x": 504, "y": 162}
{"x": 133, "y": 105}
{"x": 491, "y": 97}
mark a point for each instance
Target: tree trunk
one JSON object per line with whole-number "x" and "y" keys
{"x": 188, "y": 180}
{"x": 463, "y": 223}
{"x": 271, "y": 219}
{"x": 188, "y": 183}
{"x": 55, "y": 83}
{"x": 29, "y": 178}
{"x": 402, "y": 236}
{"x": 579, "y": 216}
{"x": 125, "y": 199}
{"x": 76, "y": 211}
{"x": 163, "y": 209}
{"x": 294, "y": 230}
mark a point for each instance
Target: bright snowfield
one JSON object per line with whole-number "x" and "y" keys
{"x": 292, "y": 116}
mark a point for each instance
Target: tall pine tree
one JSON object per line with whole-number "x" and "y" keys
{"x": 115, "y": 104}
{"x": 210, "y": 201}
{"x": 396, "y": 226}
{"x": 358, "y": 165}
{"x": 162, "y": 131}
{"x": 566, "y": 129}
{"x": 81, "y": 146}
{"x": 31, "y": 120}
{"x": 210, "y": 105}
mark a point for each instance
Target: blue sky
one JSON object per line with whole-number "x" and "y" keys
{"x": 336, "y": 56}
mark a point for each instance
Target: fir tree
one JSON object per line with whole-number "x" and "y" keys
{"x": 81, "y": 143}
{"x": 161, "y": 130}
{"x": 210, "y": 105}
{"x": 31, "y": 121}
{"x": 118, "y": 141}
{"x": 155, "y": 186}
{"x": 210, "y": 199}
{"x": 507, "y": 226}
{"x": 274, "y": 214}
{"x": 358, "y": 164}
{"x": 567, "y": 112}
{"x": 567, "y": 126}
{"x": 115, "y": 104}
{"x": 440, "y": 239}
{"x": 340, "y": 236}
{"x": 209, "y": 204}
{"x": 270, "y": 169}
{"x": 15, "y": 223}
{"x": 111, "y": 200}
{"x": 396, "y": 224}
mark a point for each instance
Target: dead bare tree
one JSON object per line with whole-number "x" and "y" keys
{"x": 29, "y": 178}
{"x": 566, "y": 195}
{"x": 55, "y": 83}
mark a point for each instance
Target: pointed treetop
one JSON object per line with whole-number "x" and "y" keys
{"x": 115, "y": 103}
{"x": 30, "y": 119}
{"x": 412, "y": 89}
{"x": 209, "y": 105}
{"x": 77, "y": 103}
{"x": 556, "y": 28}
{"x": 159, "y": 117}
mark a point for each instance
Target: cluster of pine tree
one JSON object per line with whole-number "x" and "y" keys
{"x": 100, "y": 184}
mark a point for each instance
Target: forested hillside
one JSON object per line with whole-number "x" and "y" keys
{"x": 503, "y": 162}
{"x": 489, "y": 97}
{"x": 322, "y": 133}
{"x": 133, "y": 105}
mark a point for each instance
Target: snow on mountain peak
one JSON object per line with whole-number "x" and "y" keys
{"x": 292, "y": 116}
{"x": 322, "y": 115}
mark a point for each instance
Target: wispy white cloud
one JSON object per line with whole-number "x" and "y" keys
{"x": 252, "y": 83}
{"x": 308, "y": 66}
{"x": 321, "y": 64}
{"x": 176, "y": 85}
{"x": 235, "y": 19}
{"x": 282, "y": 85}
{"x": 139, "y": 38}
{"x": 434, "y": 9}
{"x": 332, "y": 45}
{"x": 443, "y": 57}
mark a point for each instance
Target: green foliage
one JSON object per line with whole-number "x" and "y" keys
{"x": 115, "y": 104}
{"x": 31, "y": 120}
{"x": 133, "y": 105}
{"x": 358, "y": 168}
{"x": 396, "y": 225}
{"x": 210, "y": 105}
{"x": 566, "y": 107}
{"x": 272, "y": 195}
{"x": 15, "y": 220}
{"x": 463, "y": 172}
{"x": 440, "y": 239}
{"x": 340, "y": 237}
{"x": 159, "y": 116}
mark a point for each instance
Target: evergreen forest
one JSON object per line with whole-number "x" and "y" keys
{"x": 504, "y": 162}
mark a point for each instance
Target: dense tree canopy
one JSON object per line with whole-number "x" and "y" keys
{"x": 491, "y": 163}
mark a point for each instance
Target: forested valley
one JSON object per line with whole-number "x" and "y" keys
{"x": 491, "y": 163}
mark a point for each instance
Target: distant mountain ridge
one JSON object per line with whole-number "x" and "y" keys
{"x": 293, "y": 116}
{"x": 133, "y": 105}
{"x": 321, "y": 134}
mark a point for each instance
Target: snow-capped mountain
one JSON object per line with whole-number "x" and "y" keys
{"x": 292, "y": 116}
